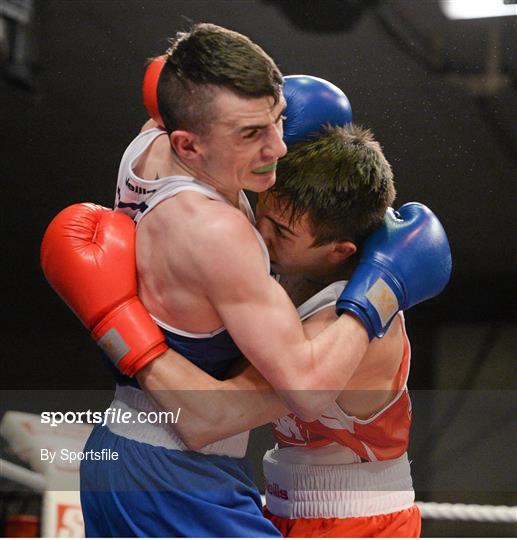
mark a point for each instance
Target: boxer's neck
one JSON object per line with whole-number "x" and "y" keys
{"x": 178, "y": 167}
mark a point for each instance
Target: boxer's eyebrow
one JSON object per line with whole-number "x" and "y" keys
{"x": 280, "y": 226}
{"x": 282, "y": 111}
{"x": 263, "y": 126}
{"x": 252, "y": 127}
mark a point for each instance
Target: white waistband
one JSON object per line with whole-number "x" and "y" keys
{"x": 132, "y": 400}
{"x": 295, "y": 490}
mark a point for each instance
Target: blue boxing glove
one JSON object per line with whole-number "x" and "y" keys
{"x": 403, "y": 263}
{"x": 311, "y": 104}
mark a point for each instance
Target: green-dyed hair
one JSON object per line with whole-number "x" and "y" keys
{"x": 342, "y": 180}
{"x": 204, "y": 59}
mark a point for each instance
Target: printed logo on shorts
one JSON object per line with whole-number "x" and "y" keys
{"x": 274, "y": 489}
{"x": 383, "y": 300}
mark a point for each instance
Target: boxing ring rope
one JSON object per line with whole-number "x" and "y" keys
{"x": 464, "y": 512}
{"x": 468, "y": 512}
{"x": 23, "y": 476}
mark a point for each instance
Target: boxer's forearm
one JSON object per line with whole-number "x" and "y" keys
{"x": 240, "y": 406}
{"x": 211, "y": 410}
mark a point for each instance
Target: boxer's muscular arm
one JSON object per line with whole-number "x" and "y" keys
{"x": 220, "y": 409}
{"x": 265, "y": 325}
{"x": 211, "y": 410}
{"x": 209, "y": 416}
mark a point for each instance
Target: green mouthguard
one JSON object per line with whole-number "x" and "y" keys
{"x": 266, "y": 168}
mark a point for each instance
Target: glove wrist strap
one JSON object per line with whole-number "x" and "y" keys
{"x": 129, "y": 337}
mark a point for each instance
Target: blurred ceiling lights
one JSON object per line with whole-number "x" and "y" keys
{"x": 477, "y": 9}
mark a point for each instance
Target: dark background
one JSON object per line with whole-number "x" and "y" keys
{"x": 440, "y": 95}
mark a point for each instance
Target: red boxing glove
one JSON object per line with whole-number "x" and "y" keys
{"x": 150, "y": 88}
{"x": 88, "y": 257}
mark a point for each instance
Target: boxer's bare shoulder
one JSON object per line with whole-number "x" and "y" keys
{"x": 191, "y": 217}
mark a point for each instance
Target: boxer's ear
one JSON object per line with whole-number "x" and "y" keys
{"x": 341, "y": 251}
{"x": 184, "y": 144}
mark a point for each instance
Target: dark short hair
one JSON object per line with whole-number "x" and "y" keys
{"x": 204, "y": 59}
{"x": 341, "y": 179}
